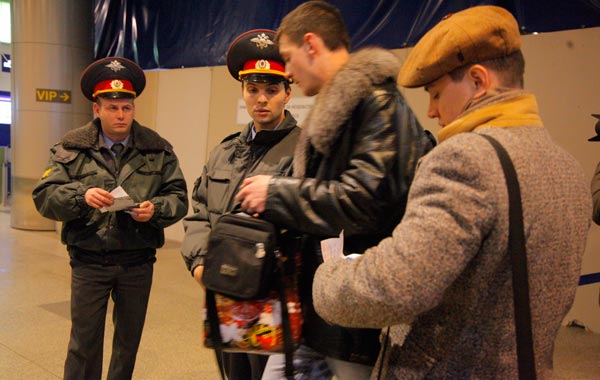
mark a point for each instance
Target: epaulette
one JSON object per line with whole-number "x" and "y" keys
{"x": 231, "y": 137}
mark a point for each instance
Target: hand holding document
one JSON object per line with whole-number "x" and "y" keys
{"x": 333, "y": 248}
{"x": 121, "y": 201}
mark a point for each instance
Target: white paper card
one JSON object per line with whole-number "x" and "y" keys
{"x": 121, "y": 200}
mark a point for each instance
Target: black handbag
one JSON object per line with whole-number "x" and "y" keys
{"x": 244, "y": 262}
{"x": 241, "y": 258}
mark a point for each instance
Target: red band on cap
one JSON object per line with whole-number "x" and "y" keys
{"x": 262, "y": 66}
{"x": 114, "y": 85}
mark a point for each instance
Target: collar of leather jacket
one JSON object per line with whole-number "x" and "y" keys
{"x": 366, "y": 68}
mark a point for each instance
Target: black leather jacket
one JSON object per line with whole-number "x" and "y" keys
{"x": 353, "y": 167}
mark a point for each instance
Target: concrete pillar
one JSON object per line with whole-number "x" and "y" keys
{"x": 51, "y": 45}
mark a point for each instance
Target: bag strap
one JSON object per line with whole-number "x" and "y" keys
{"x": 288, "y": 343}
{"x": 383, "y": 352}
{"x": 215, "y": 333}
{"x": 518, "y": 258}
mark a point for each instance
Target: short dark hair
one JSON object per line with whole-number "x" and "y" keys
{"x": 510, "y": 69}
{"x": 317, "y": 17}
{"x": 286, "y": 84}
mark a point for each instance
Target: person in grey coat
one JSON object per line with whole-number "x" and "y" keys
{"x": 446, "y": 268}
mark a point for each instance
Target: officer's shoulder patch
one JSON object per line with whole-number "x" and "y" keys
{"x": 47, "y": 172}
{"x": 63, "y": 155}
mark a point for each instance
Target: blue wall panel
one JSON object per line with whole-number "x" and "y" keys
{"x": 192, "y": 33}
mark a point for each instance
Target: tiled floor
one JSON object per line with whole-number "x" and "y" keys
{"x": 34, "y": 317}
{"x": 34, "y": 313}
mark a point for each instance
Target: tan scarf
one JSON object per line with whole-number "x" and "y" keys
{"x": 502, "y": 108}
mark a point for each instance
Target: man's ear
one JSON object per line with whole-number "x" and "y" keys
{"x": 480, "y": 78}
{"x": 312, "y": 43}
{"x": 96, "y": 109}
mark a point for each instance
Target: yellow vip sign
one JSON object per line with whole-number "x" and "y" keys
{"x": 52, "y": 96}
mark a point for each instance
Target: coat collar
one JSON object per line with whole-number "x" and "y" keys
{"x": 268, "y": 137}
{"x": 86, "y": 137}
{"x": 337, "y": 100}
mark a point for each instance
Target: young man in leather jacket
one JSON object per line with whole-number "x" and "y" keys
{"x": 352, "y": 168}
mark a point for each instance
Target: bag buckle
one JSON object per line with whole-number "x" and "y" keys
{"x": 228, "y": 270}
{"x": 260, "y": 250}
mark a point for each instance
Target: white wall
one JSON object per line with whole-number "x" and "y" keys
{"x": 176, "y": 103}
{"x": 567, "y": 84}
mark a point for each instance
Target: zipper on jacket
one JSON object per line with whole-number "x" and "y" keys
{"x": 254, "y": 159}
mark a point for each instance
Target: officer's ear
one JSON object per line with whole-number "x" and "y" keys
{"x": 288, "y": 94}
{"x": 96, "y": 108}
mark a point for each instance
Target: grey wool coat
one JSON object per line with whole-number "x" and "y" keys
{"x": 446, "y": 268}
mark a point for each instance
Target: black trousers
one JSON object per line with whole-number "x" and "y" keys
{"x": 91, "y": 287}
{"x": 242, "y": 366}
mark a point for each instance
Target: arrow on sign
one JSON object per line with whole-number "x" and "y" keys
{"x": 52, "y": 96}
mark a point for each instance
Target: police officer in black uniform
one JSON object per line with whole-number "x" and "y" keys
{"x": 111, "y": 242}
{"x": 265, "y": 145}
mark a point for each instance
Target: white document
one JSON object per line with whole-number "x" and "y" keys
{"x": 333, "y": 248}
{"x": 122, "y": 201}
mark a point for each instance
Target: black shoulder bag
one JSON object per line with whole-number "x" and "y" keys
{"x": 244, "y": 262}
{"x": 518, "y": 258}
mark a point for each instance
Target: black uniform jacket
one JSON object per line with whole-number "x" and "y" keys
{"x": 149, "y": 171}
{"x": 270, "y": 152}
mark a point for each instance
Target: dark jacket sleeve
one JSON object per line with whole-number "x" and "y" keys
{"x": 596, "y": 195}
{"x": 57, "y": 196}
{"x": 197, "y": 226}
{"x": 369, "y": 193}
{"x": 171, "y": 202}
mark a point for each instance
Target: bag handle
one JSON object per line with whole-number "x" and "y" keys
{"x": 288, "y": 343}
{"x": 215, "y": 334}
{"x": 518, "y": 258}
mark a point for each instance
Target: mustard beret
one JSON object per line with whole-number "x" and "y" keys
{"x": 470, "y": 36}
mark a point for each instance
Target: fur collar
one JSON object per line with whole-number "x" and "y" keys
{"x": 86, "y": 137}
{"x": 337, "y": 100}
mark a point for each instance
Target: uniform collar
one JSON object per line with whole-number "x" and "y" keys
{"x": 253, "y": 131}
{"x": 109, "y": 143}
